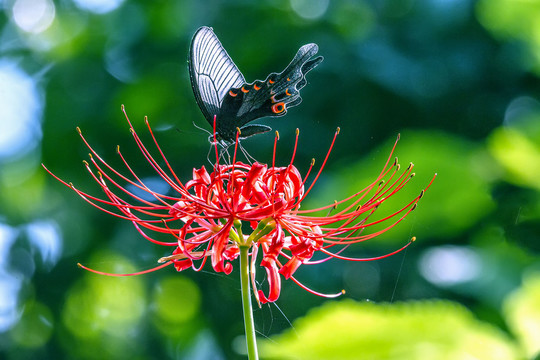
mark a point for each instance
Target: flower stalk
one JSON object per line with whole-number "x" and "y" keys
{"x": 247, "y": 307}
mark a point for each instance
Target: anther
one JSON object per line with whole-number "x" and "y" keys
{"x": 414, "y": 206}
{"x": 85, "y": 162}
{"x": 122, "y": 107}
{"x": 297, "y": 131}
{"x": 79, "y": 130}
{"x": 238, "y": 130}
{"x": 277, "y": 135}
{"x": 338, "y": 129}
{"x": 398, "y": 136}
{"x": 413, "y": 239}
{"x": 413, "y": 174}
{"x": 118, "y": 149}
{"x": 312, "y": 161}
{"x": 396, "y": 161}
{"x": 421, "y": 194}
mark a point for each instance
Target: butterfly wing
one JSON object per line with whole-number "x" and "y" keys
{"x": 212, "y": 72}
{"x": 273, "y": 96}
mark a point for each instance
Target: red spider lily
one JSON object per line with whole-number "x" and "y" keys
{"x": 206, "y": 214}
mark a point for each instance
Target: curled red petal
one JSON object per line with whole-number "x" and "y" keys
{"x": 183, "y": 264}
{"x": 219, "y": 247}
{"x": 290, "y": 267}
{"x": 274, "y": 284}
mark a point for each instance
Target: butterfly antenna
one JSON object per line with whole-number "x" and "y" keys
{"x": 203, "y": 129}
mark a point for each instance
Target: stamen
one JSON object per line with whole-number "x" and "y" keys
{"x": 119, "y": 275}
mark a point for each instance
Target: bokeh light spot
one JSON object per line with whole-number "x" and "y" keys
{"x": 310, "y": 9}
{"x": 98, "y": 6}
{"x": 450, "y": 265}
{"x": 35, "y": 327}
{"x": 102, "y": 305}
{"x": 45, "y": 236}
{"x": 20, "y": 111}
{"x": 33, "y": 16}
{"x": 176, "y": 299}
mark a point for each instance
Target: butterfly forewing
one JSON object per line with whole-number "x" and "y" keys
{"x": 212, "y": 72}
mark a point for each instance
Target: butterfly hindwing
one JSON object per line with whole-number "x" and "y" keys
{"x": 274, "y": 95}
{"x": 221, "y": 90}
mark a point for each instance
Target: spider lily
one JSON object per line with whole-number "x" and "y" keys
{"x": 207, "y": 216}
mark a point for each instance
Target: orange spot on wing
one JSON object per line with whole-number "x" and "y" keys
{"x": 244, "y": 90}
{"x": 278, "y": 108}
{"x": 288, "y": 79}
{"x": 287, "y": 92}
{"x": 232, "y": 93}
{"x": 256, "y": 87}
{"x": 270, "y": 81}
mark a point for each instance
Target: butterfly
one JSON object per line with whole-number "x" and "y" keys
{"x": 222, "y": 91}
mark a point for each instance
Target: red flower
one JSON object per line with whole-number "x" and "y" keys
{"x": 206, "y": 217}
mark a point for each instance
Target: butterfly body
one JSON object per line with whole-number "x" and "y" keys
{"x": 222, "y": 91}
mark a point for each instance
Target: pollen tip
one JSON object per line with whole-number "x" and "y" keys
{"x": 85, "y": 162}
{"x": 122, "y": 107}
{"x": 118, "y": 149}
{"x": 398, "y": 137}
{"x": 79, "y": 130}
{"x": 413, "y": 239}
{"x": 421, "y": 194}
{"x": 161, "y": 260}
{"x": 343, "y": 292}
{"x": 338, "y": 130}
{"x": 396, "y": 162}
{"x": 277, "y": 135}
{"x": 414, "y": 206}
{"x": 413, "y": 174}
{"x": 312, "y": 161}
{"x": 297, "y": 131}
{"x": 132, "y": 131}
{"x": 71, "y": 185}
{"x": 79, "y": 265}
{"x": 146, "y": 118}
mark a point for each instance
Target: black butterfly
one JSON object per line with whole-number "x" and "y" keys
{"x": 222, "y": 91}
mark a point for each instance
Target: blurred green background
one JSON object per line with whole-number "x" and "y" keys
{"x": 457, "y": 78}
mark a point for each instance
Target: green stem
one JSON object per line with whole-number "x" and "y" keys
{"x": 246, "y": 304}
